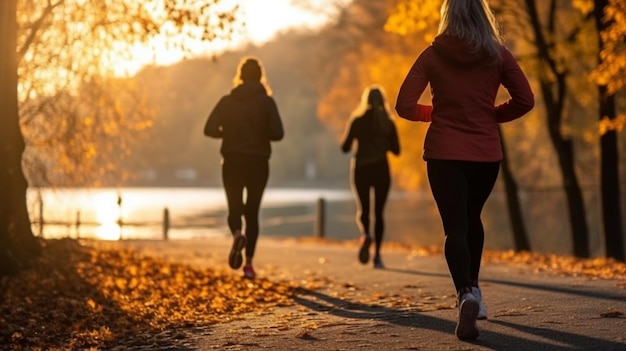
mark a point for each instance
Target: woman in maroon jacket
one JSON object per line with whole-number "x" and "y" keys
{"x": 246, "y": 120}
{"x": 465, "y": 66}
{"x": 375, "y": 134}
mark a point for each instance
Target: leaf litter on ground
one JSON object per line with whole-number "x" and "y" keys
{"x": 78, "y": 296}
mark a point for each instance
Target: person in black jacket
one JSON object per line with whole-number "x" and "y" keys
{"x": 375, "y": 132}
{"x": 246, "y": 120}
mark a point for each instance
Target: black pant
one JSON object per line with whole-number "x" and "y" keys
{"x": 460, "y": 189}
{"x": 250, "y": 173}
{"x": 366, "y": 177}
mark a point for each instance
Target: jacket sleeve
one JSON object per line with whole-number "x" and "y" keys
{"x": 213, "y": 126}
{"x": 348, "y": 138}
{"x": 410, "y": 91}
{"x": 522, "y": 99}
{"x": 276, "y": 131}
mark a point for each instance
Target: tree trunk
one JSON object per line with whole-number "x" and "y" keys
{"x": 16, "y": 235}
{"x": 520, "y": 236}
{"x": 565, "y": 154}
{"x": 553, "y": 90}
{"x": 609, "y": 158}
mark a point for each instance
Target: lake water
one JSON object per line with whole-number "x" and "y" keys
{"x": 201, "y": 212}
{"x": 411, "y": 217}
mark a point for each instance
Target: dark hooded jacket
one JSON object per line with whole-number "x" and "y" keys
{"x": 247, "y": 120}
{"x": 464, "y": 85}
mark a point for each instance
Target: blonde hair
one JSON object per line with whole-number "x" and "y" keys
{"x": 250, "y": 69}
{"x": 472, "y": 20}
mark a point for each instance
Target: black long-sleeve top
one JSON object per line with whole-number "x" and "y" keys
{"x": 246, "y": 120}
{"x": 373, "y": 141}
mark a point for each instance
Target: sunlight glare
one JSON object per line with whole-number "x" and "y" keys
{"x": 263, "y": 21}
{"x": 108, "y": 214}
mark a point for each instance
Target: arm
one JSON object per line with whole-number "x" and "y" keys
{"x": 522, "y": 99}
{"x": 348, "y": 138}
{"x": 276, "y": 130}
{"x": 394, "y": 142}
{"x": 213, "y": 126}
{"x": 410, "y": 91}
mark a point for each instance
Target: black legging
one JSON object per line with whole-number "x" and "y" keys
{"x": 251, "y": 173}
{"x": 375, "y": 176}
{"x": 460, "y": 189}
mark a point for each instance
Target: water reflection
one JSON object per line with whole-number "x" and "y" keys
{"x": 109, "y": 216}
{"x": 412, "y": 218}
{"x": 194, "y": 212}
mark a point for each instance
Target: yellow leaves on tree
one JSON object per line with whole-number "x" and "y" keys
{"x": 73, "y": 105}
{"x": 612, "y": 69}
{"x": 606, "y": 124}
{"x": 411, "y": 17}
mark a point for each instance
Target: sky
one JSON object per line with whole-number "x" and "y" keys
{"x": 264, "y": 19}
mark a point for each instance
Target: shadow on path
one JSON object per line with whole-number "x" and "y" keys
{"x": 556, "y": 340}
{"x": 554, "y": 288}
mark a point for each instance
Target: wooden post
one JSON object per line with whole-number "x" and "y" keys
{"x": 77, "y": 224}
{"x": 40, "y": 202}
{"x": 120, "y": 221}
{"x": 166, "y": 223}
{"x": 320, "y": 218}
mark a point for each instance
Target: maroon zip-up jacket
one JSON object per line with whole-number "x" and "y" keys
{"x": 464, "y": 85}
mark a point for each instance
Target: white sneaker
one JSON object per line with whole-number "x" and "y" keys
{"x": 468, "y": 311}
{"x": 482, "y": 311}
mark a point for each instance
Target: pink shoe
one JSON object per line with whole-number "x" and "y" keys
{"x": 248, "y": 272}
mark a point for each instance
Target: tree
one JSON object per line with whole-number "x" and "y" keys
{"x": 549, "y": 38}
{"x": 13, "y": 212}
{"x": 609, "y": 158}
{"x": 59, "y": 47}
{"x": 77, "y": 111}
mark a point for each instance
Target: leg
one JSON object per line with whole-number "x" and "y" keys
{"x": 381, "y": 191}
{"x": 362, "y": 189}
{"x": 257, "y": 175}
{"x": 481, "y": 181}
{"x": 448, "y": 184}
{"x": 232, "y": 178}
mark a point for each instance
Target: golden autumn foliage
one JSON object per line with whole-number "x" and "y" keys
{"x": 78, "y": 297}
{"x": 612, "y": 69}
{"x": 411, "y": 17}
{"x": 597, "y": 268}
{"x": 77, "y": 114}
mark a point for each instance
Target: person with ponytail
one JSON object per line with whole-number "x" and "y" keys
{"x": 375, "y": 134}
{"x": 465, "y": 66}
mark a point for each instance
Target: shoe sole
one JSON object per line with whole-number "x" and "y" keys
{"x": 364, "y": 251}
{"x": 235, "y": 259}
{"x": 466, "y": 328}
